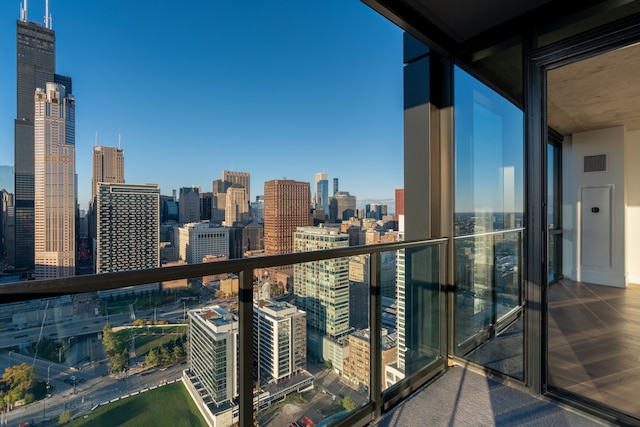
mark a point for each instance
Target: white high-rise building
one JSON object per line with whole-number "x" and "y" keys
{"x": 280, "y": 339}
{"x": 197, "y": 240}
{"x": 213, "y": 353}
{"x": 54, "y": 182}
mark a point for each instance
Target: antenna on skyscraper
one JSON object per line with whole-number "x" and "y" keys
{"x": 23, "y": 11}
{"x": 96, "y": 138}
{"x": 47, "y": 15}
{"x": 118, "y": 141}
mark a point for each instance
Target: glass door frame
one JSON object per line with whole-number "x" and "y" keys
{"x": 554, "y": 206}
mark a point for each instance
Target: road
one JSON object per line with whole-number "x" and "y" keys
{"x": 85, "y": 361}
{"x": 92, "y": 387}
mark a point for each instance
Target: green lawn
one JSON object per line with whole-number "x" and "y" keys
{"x": 169, "y": 406}
{"x": 152, "y": 336}
{"x": 144, "y": 343}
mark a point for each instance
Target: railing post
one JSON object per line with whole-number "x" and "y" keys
{"x": 375, "y": 359}
{"x": 245, "y": 344}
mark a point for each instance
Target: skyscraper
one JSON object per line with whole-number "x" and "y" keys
{"x": 243, "y": 179}
{"x": 342, "y": 206}
{"x": 128, "y": 234}
{"x": 237, "y": 206}
{"x": 213, "y": 350}
{"x": 54, "y": 182}
{"x": 335, "y": 186}
{"x": 189, "y": 205}
{"x": 322, "y": 192}
{"x": 280, "y": 340}
{"x": 107, "y": 166}
{"x": 35, "y": 68}
{"x": 286, "y": 207}
{"x": 321, "y": 288}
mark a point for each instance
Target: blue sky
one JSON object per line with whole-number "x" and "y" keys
{"x": 277, "y": 89}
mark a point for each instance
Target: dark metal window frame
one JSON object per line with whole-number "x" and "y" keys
{"x": 538, "y": 61}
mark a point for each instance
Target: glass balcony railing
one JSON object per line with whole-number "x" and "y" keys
{"x": 488, "y": 300}
{"x": 233, "y": 340}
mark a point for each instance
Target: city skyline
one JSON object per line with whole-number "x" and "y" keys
{"x": 287, "y": 98}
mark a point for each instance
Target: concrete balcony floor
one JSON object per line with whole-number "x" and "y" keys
{"x": 464, "y": 397}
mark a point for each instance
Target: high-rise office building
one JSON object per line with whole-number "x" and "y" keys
{"x": 321, "y": 288}
{"x": 128, "y": 233}
{"x": 35, "y": 53}
{"x": 286, "y": 207}
{"x": 342, "y": 206}
{"x": 54, "y": 182}
{"x": 335, "y": 186}
{"x": 279, "y": 340}
{"x": 243, "y": 179}
{"x": 237, "y": 206}
{"x": 189, "y": 205}
{"x": 107, "y": 166}
{"x": 197, "y": 240}
{"x": 213, "y": 354}
{"x": 322, "y": 192}
{"x": 207, "y": 205}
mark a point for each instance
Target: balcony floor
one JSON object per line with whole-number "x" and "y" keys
{"x": 463, "y": 397}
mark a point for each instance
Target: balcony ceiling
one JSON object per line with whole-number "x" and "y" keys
{"x": 596, "y": 93}
{"x": 476, "y": 17}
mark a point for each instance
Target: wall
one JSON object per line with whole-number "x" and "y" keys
{"x": 632, "y": 179}
{"x": 610, "y": 141}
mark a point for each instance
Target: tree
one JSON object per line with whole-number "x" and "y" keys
{"x": 165, "y": 356}
{"x": 20, "y": 382}
{"x": 348, "y": 404}
{"x": 152, "y": 358}
{"x": 177, "y": 354}
{"x": 64, "y": 417}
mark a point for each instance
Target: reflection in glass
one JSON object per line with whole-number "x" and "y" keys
{"x": 488, "y": 204}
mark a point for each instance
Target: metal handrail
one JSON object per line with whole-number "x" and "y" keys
{"x": 26, "y": 290}
{"x": 489, "y": 233}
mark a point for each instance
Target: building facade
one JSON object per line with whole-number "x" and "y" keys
{"x": 342, "y": 206}
{"x": 128, "y": 227}
{"x": 280, "y": 340}
{"x": 189, "y": 205}
{"x": 356, "y": 367}
{"x": 107, "y": 166}
{"x": 321, "y": 288}
{"x": 213, "y": 353}
{"x": 197, "y": 240}
{"x": 237, "y": 206}
{"x": 286, "y": 207}
{"x": 54, "y": 182}
{"x": 35, "y": 50}
{"x": 243, "y": 179}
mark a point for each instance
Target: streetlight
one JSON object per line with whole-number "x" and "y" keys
{"x": 10, "y": 351}
{"x": 48, "y": 367}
